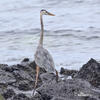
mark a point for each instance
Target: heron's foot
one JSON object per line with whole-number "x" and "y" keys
{"x": 34, "y": 92}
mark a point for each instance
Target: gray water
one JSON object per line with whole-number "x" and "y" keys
{"x": 72, "y": 36}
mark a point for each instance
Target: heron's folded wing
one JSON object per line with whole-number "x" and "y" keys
{"x": 45, "y": 60}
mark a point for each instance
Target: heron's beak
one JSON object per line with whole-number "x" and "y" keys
{"x": 50, "y": 14}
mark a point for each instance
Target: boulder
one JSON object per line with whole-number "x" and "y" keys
{"x": 6, "y": 77}
{"x": 90, "y": 72}
{"x": 20, "y": 77}
{"x": 69, "y": 89}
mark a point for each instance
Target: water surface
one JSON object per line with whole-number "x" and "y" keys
{"x": 72, "y": 36}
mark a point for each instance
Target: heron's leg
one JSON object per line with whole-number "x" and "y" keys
{"x": 37, "y": 75}
{"x": 56, "y": 75}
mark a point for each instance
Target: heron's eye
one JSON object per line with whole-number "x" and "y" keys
{"x": 46, "y": 12}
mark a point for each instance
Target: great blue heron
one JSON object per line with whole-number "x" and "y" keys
{"x": 43, "y": 58}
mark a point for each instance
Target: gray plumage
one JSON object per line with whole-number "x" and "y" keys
{"x": 44, "y": 59}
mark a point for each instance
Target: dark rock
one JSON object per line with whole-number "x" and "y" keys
{"x": 6, "y": 77}
{"x": 9, "y": 69}
{"x": 8, "y": 94}
{"x": 25, "y": 60}
{"x": 22, "y": 75}
{"x": 45, "y": 77}
{"x": 20, "y": 79}
{"x": 5, "y": 67}
{"x": 20, "y": 97}
{"x": 2, "y": 66}
{"x": 66, "y": 89}
{"x": 25, "y": 86}
{"x": 90, "y": 72}
{"x": 25, "y": 76}
{"x": 68, "y": 72}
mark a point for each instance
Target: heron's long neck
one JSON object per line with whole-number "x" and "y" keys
{"x": 42, "y": 30}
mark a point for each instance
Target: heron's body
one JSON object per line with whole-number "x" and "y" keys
{"x": 43, "y": 58}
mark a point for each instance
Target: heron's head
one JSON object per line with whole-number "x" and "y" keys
{"x": 44, "y": 12}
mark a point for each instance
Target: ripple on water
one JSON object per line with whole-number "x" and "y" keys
{"x": 72, "y": 36}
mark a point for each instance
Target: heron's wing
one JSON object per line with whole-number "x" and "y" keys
{"x": 44, "y": 59}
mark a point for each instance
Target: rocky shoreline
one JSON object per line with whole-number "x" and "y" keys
{"x": 17, "y": 82}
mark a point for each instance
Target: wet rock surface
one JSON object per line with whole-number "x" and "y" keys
{"x": 17, "y": 83}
